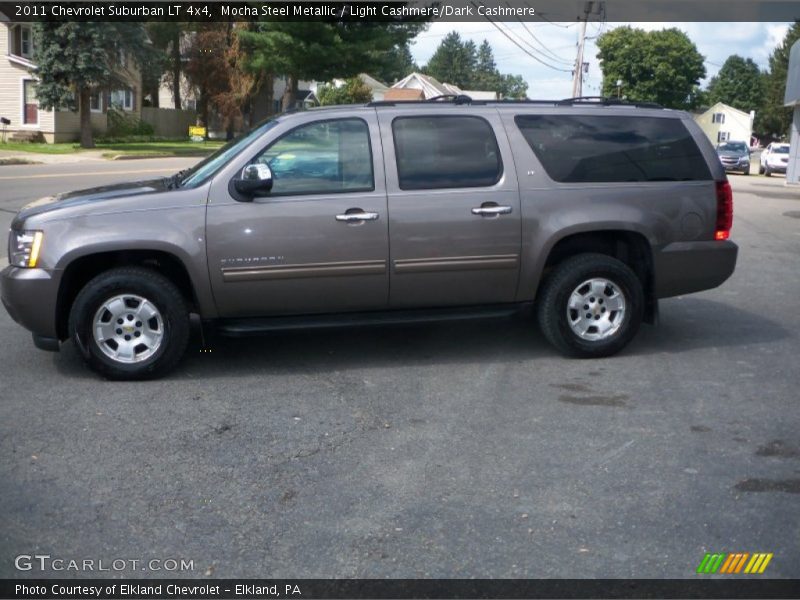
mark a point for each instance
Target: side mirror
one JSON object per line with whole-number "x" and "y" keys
{"x": 254, "y": 178}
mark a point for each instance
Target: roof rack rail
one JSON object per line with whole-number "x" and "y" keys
{"x": 444, "y": 98}
{"x": 606, "y": 101}
{"x": 461, "y": 99}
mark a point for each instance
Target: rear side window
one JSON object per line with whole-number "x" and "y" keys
{"x": 445, "y": 152}
{"x": 592, "y": 148}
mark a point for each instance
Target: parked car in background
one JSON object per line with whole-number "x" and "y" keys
{"x": 774, "y": 159}
{"x": 734, "y": 156}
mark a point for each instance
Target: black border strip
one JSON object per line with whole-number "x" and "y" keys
{"x": 150, "y": 589}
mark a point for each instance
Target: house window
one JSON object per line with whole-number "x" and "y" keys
{"x": 122, "y": 99}
{"x": 718, "y": 118}
{"x": 190, "y": 104}
{"x": 25, "y": 41}
{"x": 30, "y": 106}
{"x": 96, "y": 101}
{"x": 723, "y": 136}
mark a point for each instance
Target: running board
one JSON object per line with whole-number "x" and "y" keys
{"x": 256, "y": 326}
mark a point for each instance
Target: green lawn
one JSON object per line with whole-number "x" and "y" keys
{"x": 139, "y": 149}
{"x": 38, "y": 148}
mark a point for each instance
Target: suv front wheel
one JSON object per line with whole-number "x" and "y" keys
{"x": 130, "y": 323}
{"x": 590, "y": 306}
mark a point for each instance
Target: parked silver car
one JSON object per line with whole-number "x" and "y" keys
{"x": 588, "y": 210}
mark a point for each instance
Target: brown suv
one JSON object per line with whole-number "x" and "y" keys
{"x": 591, "y": 209}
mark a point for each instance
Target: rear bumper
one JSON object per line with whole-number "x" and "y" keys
{"x": 29, "y": 296}
{"x": 687, "y": 267}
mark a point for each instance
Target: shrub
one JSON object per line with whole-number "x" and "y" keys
{"x": 121, "y": 124}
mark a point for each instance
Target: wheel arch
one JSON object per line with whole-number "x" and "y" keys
{"x": 629, "y": 246}
{"x": 82, "y": 269}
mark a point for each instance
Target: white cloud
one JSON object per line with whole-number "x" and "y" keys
{"x": 715, "y": 41}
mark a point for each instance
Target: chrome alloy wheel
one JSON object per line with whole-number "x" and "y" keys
{"x": 596, "y": 309}
{"x": 128, "y": 328}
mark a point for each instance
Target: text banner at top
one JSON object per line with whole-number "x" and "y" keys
{"x": 399, "y": 11}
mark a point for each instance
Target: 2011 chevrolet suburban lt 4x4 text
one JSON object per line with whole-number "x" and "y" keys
{"x": 589, "y": 210}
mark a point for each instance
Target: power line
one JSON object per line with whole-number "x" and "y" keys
{"x": 548, "y": 53}
{"x": 517, "y": 44}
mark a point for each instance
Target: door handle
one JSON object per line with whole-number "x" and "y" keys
{"x": 354, "y": 217}
{"x": 491, "y": 211}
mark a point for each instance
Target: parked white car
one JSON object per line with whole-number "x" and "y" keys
{"x": 774, "y": 159}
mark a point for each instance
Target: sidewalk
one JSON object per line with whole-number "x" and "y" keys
{"x": 15, "y": 157}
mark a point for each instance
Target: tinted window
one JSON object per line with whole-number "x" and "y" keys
{"x": 321, "y": 157}
{"x": 445, "y": 152}
{"x": 591, "y": 148}
{"x": 781, "y": 150}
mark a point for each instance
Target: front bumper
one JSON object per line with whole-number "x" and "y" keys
{"x": 688, "y": 267}
{"x": 738, "y": 167}
{"x": 30, "y": 296}
{"x": 779, "y": 168}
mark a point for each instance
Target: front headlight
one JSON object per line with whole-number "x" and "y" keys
{"x": 24, "y": 248}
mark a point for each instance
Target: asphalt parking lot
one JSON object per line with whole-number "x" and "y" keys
{"x": 450, "y": 450}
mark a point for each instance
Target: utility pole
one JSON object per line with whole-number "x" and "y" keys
{"x": 577, "y": 79}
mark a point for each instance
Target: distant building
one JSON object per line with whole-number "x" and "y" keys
{"x": 792, "y": 99}
{"x": 430, "y": 87}
{"x": 723, "y": 123}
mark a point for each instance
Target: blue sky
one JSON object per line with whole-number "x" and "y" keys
{"x": 715, "y": 41}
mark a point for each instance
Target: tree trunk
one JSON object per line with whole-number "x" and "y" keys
{"x": 86, "y": 118}
{"x": 176, "y": 70}
{"x": 290, "y": 95}
{"x": 202, "y": 110}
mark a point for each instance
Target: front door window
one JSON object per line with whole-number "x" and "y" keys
{"x": 31, "y": 109}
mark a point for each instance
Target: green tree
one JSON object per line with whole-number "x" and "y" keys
{"x": 512, "y": 86}
{"x": 354, "y": 91}
{"x": 454, "y": 61}
{"x": 655, "y": 66}
{"x": 739, "y": 84}
{"x": 168, "y": 37}
{"x": 774, "y": 119}
{"x": 76, "y": 59}
{"x": 321, "y": 50}
{"x": 396, "y": 64}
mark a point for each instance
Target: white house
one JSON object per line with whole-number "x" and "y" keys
{"x": 431, "y": 87}
{"x": 723, "y": 123}
{"x": 19, "y": 104}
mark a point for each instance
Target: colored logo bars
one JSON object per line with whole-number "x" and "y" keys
{"x": 734, "y": 563}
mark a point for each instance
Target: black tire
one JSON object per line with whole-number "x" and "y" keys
{"x": 553, "y": 303}
{"x": 767, "y": 172}
{"x": 760, "y": 169}
{"x": 156, "y": 289}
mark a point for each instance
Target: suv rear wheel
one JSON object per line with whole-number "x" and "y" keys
{"x": 130, "y": 323}
{"x": 590, "y": 306}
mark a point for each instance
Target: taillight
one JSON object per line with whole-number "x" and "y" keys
{"x": 722, "y": 231}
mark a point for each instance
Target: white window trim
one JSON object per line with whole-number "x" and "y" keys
{"x": 22, "y": 122}
{"x": 20, "y": 29}
{"x": 124, "y": 107}
{"x": 100, "y": 103}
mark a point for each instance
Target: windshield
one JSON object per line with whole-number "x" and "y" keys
{"x": 781, "y": 149}
{"x": 733, "y": 147}
{"x": 205, "y": 169}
